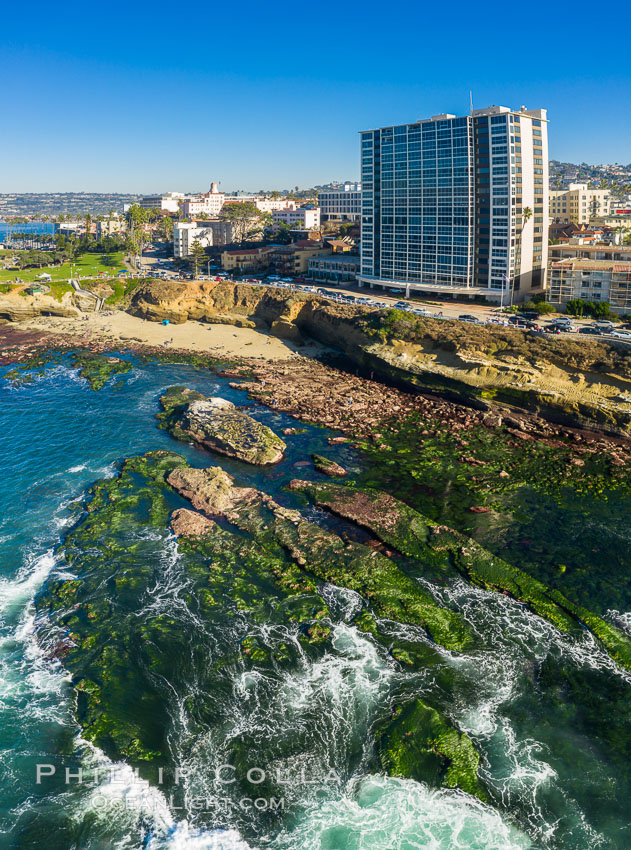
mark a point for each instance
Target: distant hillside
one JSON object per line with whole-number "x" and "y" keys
{"x": 615, "y": 176}
{"x": 54, "y": 203}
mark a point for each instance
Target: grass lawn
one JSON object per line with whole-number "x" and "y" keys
{"x": 85, "y": 265}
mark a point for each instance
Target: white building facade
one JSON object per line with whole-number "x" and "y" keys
{"x": 343, "y": 204}
{"x": 301, "y": 218}
{"x": 207, "y": 233}
{"x": 169, "y": 202}
{"x": 579, "y": 204}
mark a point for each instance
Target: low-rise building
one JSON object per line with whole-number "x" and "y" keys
{"x": 579, "y": 203}
{"x": 591, "y": 280}
{"x": 341, "y": 204}
{"x": 247, "y": 259}
{"x": 334, "y": 268}
{"x": 208, "y": 233}
{"x": 619, "y": 223}
{"x": 574, "y": 249}
{"x": 303, "y": 217}
{"x": 261, "y": 202}
{"x": 109, "y": 226}
{"x": 294, "y": 259}
{"x": 169, "y": 201}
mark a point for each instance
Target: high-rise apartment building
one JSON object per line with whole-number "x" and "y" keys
{"x": 457, "y": 205}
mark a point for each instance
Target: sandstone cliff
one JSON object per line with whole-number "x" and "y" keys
{"x": 17, "y": 307}
{"x": 574, "y": 382}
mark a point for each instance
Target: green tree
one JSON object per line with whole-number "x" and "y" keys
{"x": 197, "y": 257}
{"x": 282, "y": 234}
{"x": 165, "y": 228}
{"x": 136, "y": 218}
{"x": 576, "y": 307}
{"x": 247, "y": 220}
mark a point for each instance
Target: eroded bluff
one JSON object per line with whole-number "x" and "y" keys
{"x": 572, "y": 382}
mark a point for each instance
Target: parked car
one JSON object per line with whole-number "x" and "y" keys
{"x": 466, "y": 317}
{"x": 590, "y": 329}
{"x": 621, "y": 334}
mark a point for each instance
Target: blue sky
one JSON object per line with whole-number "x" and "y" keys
{"x": 157, "y": 96}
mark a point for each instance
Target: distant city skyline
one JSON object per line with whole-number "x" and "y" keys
{"x": 130, "y": 103}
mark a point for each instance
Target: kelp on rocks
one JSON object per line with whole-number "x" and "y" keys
{"x": 414, "y": 535}
{"x": 97, "y": 369}
{"x": 108, "y": 626}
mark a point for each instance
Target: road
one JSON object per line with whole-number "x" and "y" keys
{"x": 449, "y": 309}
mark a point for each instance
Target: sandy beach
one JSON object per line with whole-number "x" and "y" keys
{"x": 195, "y": 336}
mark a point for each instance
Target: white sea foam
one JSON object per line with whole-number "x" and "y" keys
{"x": 380, "y": 812}
{"x": 18, "y": 589}
{"x": 620, "y": 619}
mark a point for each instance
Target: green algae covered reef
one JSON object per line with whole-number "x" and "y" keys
{"x": 406, "y": 530}
{"x": 251, "y": 561}
{"x": 420, "y": 743}
{"x": 178, "y": 585}
{"x": 97, "y": 369}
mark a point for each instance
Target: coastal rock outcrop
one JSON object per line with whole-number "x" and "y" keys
{"x": 185, "y": 523}
{"x": 18, "y": 308}
{"x": 567, "y": 381}
{"x": 216, "y": 424}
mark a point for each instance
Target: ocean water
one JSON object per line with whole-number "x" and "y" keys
{"x": 549, "y": 713}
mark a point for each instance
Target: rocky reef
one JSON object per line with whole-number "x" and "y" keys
{"x": 216, "y": 424}
{"x": 328, "y": 466}
{"x": 106, "y": 620}
{"x": 412, "y": 534}
{"x": 97, "y": 369}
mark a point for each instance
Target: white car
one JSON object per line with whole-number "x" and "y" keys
{"x": 621, "y": 334}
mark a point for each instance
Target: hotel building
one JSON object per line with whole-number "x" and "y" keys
{"x": 443, "y": 204}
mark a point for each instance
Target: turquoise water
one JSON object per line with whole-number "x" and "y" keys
{"x": 549, "y": 713}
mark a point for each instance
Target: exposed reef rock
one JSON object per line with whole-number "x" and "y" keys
{"x": 185, "y": 523}
{"x": 328, "y": 466}
{"x": 572, "y": 382}
{"x": 217, "y": 425}
{"x": 391, "y": 592}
